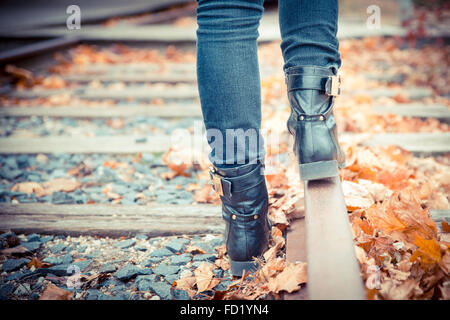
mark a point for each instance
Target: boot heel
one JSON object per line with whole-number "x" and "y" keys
{"x": 319, "y": 170}
{"x": 237, "y": 267}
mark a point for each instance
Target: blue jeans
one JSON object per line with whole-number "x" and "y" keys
{"x": 228, "y": 73}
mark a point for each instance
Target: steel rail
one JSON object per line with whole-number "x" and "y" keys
{"x": 333, "y": 271}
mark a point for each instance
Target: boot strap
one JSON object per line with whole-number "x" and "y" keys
{"x": 316, "y": 117}
{"x": 331, "y": 84}
{"x": 225, "y": 186}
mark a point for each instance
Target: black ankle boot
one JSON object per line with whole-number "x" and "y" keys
{"x": 311, "y": 92}
{"x": 245, "y": 205}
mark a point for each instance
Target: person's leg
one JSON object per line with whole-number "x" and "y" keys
{"x": 308, "y": 30}
{"x": 229, "y": 80}
{"x": 229, "y": 88}
{"x": 311, "y": 54}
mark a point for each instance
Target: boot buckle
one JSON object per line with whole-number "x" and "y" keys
{"x": 216, "y": 182}
{"x": 333, "y": 85}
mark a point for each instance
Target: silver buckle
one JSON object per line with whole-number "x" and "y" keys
{"x": 216, "y": 182}
{"x": 335, "y": 86}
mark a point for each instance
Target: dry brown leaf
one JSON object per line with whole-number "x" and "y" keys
{"x": 445, "y": 226}
{"x": 428, "y": 252}
{"x": 29, "y": 188}
{"x": 204, "y": 277}
{"x": 393, "y": 290}
{"x": 193, "y": 249}
{"x": 61, "y": 184}
{"x": 52, "y": 292}
{"x": 37, "y": 263}
{"x": 445, "y": 262}
{"x": 356, "y": 196}
{"x": 289, "y": 279}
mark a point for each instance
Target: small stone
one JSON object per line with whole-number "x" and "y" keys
{"x": 46, "y": 239}
{"x": 141, "y": 237}
{"x": 62, "y": 198}
{"x": 161, "y": 253}
{"x": 33, "y": 237}
{"x": 177, "y": 245}
{"x": 57, "y": 248}
{"x": 223, "y": 285}
{"x": 32, "y": 246}
{"x": 185, "y": 273}
{"x": 94, "y": 294}
{"x": 204, "y": 246}
{"x": 147, "y": 277}
{"x": 14, "y": 264}
{"x": 10, "y": 174}
{"x": 18, "y": 275}
{"x": 7, "y": 235}
{"x": 108, "y": 268}
{"x": 34, "y": 296}
{"x": 151, "y": 261}
{"x": 165, "y": 269}
{"x": 83, "y": 264}
{"x": 161, "y": 289}
{"x": 171, "y": 278}
{"x": 6, "y": 290}
{"x": 180, "y": 295}
{"x": 127, "y": 272}
{"x": 125, "y": 244}
{"x": 155, "y": 298}
{"x": 22, "y": 289}
{"x": 53, "y": 260}
{"x": 181, "y": 259}
{"x": 205, "y": 257}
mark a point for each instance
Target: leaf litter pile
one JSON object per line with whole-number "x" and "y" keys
{"x": 388, "y": 192}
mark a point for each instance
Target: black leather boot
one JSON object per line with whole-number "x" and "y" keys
{"x": 244, "y": 198}
{"x": 311, "y": 93}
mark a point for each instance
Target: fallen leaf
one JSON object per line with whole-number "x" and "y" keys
{"x": 204, "y": 277}
{"x": 52, "y": 292}
{"x": 445, "y": 226}
{"x": 61, "y": 184}
{"x": 289, "y": 279}
{"x": 356, "y": 196}
{"x": 29, "y": 188}
{"x": 428, "y": 251}
{"x": 37, "y": 263}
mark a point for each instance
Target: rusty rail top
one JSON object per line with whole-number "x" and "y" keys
{"x": 333, "y": 271}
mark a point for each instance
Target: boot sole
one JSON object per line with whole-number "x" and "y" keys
{"x": 319, "y": 170}
{"x": 242, "y": 267}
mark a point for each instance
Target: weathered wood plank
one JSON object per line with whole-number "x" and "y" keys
{"x": 116, "y": 145}
{"x": 132, "y": 68}
{"x": 437, "y": 111}
{"x": 111, "y": 220}
{"x": 127, "y": 77}
{"x": 162, "y": 111}
{"x": 333, "y": 271}
{"x": 135, "y": 93}
{"x": 37, "y": 48}
{"x": 418, "y": 143}
{"x": 189, "y": 92}
{"x": 413, "y": 93}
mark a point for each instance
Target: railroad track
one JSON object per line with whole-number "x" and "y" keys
{"x": 322, "y": 237}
